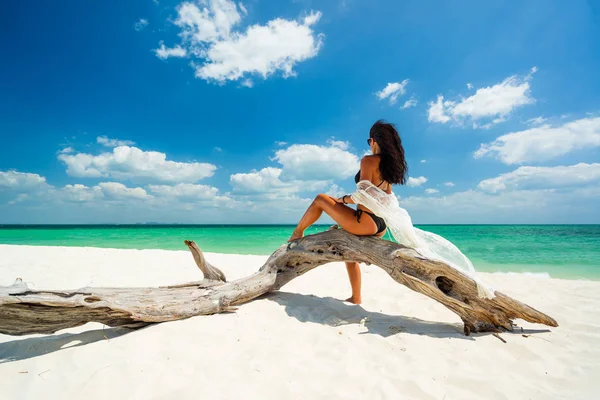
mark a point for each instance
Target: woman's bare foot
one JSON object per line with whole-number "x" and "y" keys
{"x": 354, "y": 300}
{"x": 296, "y": 235}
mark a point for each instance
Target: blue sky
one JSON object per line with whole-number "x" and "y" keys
{"x": 226, "y": 112}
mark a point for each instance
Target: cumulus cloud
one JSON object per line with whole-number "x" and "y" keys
{"x": 80, "y": 193}
{"x": 209, "y": 34}
{"x": 304, "y": 169}
{"x": 340, "y": 144}
{"x": 116, "y": 190}
{"x": 21, "y": 180}
{"x": 141, "y": 24}
{"x": 561, "y": 194}
{"x": 487, "y": 107}
{"x": 392, "y": 91}
{"x": 264, "y": 191}
{"x": 67, "y": 150}
{"x": 188, "y": 193}
{"x": 185, "y": 191}
{"x": 412, "y": 102}
{"x": 257, "y": 181}
{"x": 335, "y": 191}
{"x": 308, "y": 161}
{"x": 510, "y": 206}
{"x": 414, "y": 182}
{"x": 107, "y": 142}
{"x": 104, "y": 191}
{"x": 543, "y": 178}
{"x": 269, "y": 180}
{"x": 163, "y": 52}
{"x": 125, "y": 162}
{"x": 543, "y": 143}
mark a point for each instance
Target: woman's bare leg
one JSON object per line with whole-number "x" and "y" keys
{"x": 354, "y": 274}
{"x": 345, "y": 218}
{"x": 340, "y": 213}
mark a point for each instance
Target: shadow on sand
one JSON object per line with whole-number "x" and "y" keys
{"x": 305, "y": 308}
{"x": 23, "y": 349}
{"x": 334, "y": 312}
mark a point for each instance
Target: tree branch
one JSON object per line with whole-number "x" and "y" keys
{"x": 24, "y": 311}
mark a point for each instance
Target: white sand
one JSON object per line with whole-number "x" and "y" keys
{"x": 302, "y": 343}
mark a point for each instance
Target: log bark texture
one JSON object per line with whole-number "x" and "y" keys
{"x": 25, "y": 311}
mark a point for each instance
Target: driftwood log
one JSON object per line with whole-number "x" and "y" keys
{"x": 25, "y": 311}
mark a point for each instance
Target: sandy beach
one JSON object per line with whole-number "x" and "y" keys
{"x": 301, "y": 343}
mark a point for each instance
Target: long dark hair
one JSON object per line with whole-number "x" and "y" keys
{"x": 392, "y": 166}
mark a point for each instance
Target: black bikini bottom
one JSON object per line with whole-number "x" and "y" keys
{"x": 381, "y": 226}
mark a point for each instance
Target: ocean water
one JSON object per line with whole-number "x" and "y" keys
{"x": 561, "y": 251}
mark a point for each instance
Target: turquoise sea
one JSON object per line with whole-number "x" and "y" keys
{"x": 562, "y": 251}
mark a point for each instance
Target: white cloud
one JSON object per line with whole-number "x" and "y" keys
{"x": 106, "y": 142}
{"x": 436, "y": 110}
{"x": 269, "y": 180}
{"x": 308, "y": 161}
{"x": 536, "y": 121}
{"x": 492, "y": 104}
{"x": 431, "y": 191}
{"x": 335, "y": 191}
{"x": 132, "y": 163}
{"x": 543, "y": 178}
{"x": 218, "y": 149}
{"x": 257, "y": 181}
{"x": 81, "y": 193}
{"x": 414, "y": 182}
{"x": 423, "y": 161}
{"x": 67, "y": 150}
{"x": 20, "y": 180}
{"x": 164, "y": 52}
{"x": 280, "y": 143}
{"x": 449, "y": 184}
{"x": 544, "y": 142}
{"x": 141, "y": 24}
{"x": 412, "y": 102}
{"x": 305, "y": 169}
{"x": 185, "y": 191}
{"x": 19, "y": 199}
{"x": 392, "y": 91}
{"x": 340, "y": 144}
{"x": 247, "y": 83}
{"x": 264, "y": 191}
{"x": 208, "y": 34}
{"x": 115, "y": 190}
{"x": 510, "y": 206}
{"x": 469, "y": 86}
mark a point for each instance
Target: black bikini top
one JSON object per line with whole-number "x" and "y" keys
{"x": 357, "y": 178}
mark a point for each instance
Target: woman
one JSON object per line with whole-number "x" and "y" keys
{"x": 384, "y": 168}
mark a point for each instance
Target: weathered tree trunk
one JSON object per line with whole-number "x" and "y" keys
{"x": 24, "y": 311}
